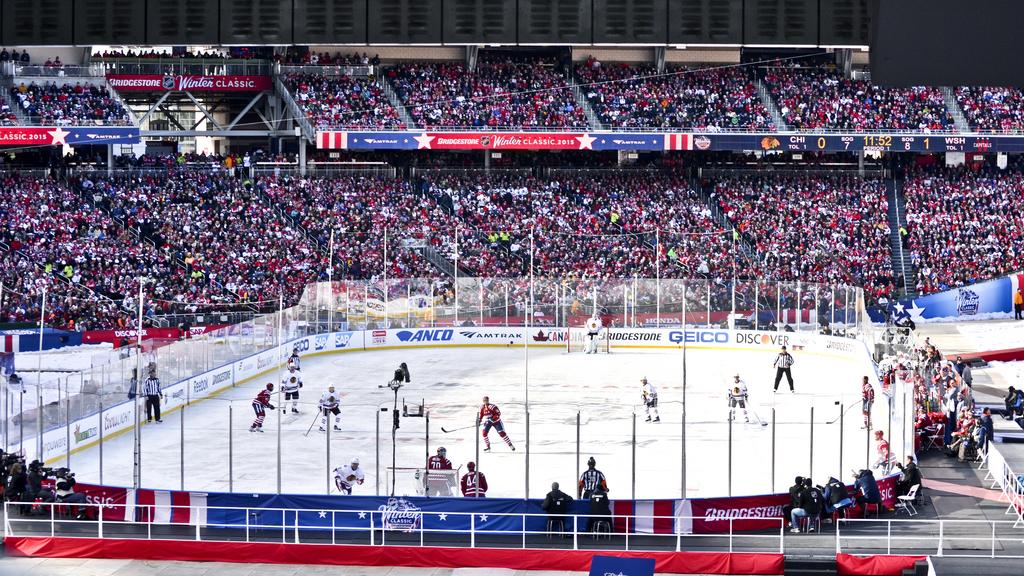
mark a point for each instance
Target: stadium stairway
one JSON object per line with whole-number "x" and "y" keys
{"x": 810, "y": 566}
{"x": 769, "y": 104}
{"x": 389, "y": 91}
{"x": 582, "y": 102}
{"x": 954, "y": 110}
{"x": 900, "y": 256}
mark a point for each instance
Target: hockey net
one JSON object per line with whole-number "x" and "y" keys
{"x": 423, "y": 481}
{"x": 577, "y": 340}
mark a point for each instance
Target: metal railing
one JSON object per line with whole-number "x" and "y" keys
{"x": 328, "y": 70}
{"x": 63, "y": 71}
{"x": 387, "y": 525}
{"x": 953, "y": 538}
{"x": 381, "y": 527}
{"x": 172, "y": 65}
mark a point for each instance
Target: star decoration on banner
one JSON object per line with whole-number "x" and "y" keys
{"x": 483, "y": 517}
{"x": 423, "y": 141}
{"x": 899, "y": 308}
{"x": 58, "y": 136}
{"x": 442, "y": 517}
{"x": 916, "y": 311}
{"x": 362, "y": 515}
{"x": 323, "y": 514}
{"x": 586, "y": 142}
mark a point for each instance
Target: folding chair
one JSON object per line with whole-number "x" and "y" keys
{"x": 906, "y": 502}
{"x": 935, "y": 439}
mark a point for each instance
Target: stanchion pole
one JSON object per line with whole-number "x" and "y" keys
{"x": 811, "y": 451}
{"x": 577, "y": 443}
{"x": 181, "y": 451}
{"x": 842, "y": 430}
{"x": 729, "y": 465}
{"x": 772, "y": 491}
{"x": 231, "y": 449}
{"x": 633, "y": 493}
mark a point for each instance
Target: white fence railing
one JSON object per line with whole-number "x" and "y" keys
{"x": 950, "y": 538}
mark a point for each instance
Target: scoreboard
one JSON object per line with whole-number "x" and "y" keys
{"x": 858, "y": 142}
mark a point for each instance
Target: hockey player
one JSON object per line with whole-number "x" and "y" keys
{"x": 867, "y": 399}
{"x": 490, "y": 416}
{"x": 259, "y": 406}
{"x": 440, "y": 461}
{"x": 474, "y": 484}
{"x": 884, "y": 461}
{"x": 294, "y": 361}
{"x": 738, "y": 396}
{"x": 290, "y": 386}
{"x": 650, "y": 397}
{"x": 438, "y": 484}
{"x": 329, "y": 405}
{"x": 347, "y": 475}
{"x": 593, "y": 331}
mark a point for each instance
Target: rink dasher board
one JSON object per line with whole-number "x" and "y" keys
{"x": 85, "y": 432}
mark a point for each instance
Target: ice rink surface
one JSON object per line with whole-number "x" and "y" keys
{"x": 190, "y": 449}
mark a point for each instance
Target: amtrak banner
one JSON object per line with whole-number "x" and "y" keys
{"x": 67, "y": 135}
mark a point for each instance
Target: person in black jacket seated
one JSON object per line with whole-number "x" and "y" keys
{"x": 600, "y": 510}
{"x": 837, "y": 497}
{"x": 864, "y": 481}
{"x": 810, "y": 506}
{"x": 556, "y": 504}
{"x": 910, "y": 476}
{"x": 794, "y": 496}
{"x": 17, "y": 483}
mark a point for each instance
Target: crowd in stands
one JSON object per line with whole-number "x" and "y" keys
{"x": 337, "y": 101}
{"x": 15, "y": 56}
{"x": 816, "y": 228}
{"x": 51, "y": 104}
{"x": 498, "y": 92}
{"x": 992, "y": 109}
{"x": 313, "y": 58}
{"x": 813, "y": 98}
{"x": 713, "y": 99}
{"x": 964, "y": 225}
{"x": 7, "y": 116}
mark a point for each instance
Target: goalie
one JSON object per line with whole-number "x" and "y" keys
{"x": 594, "y": 327}
{"x": 738, "y": 397}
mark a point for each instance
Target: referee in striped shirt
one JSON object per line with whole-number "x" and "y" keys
{"x": 782, "y": 364}
{"x": 591, "y": 480}
{"x": 151, "y": 390}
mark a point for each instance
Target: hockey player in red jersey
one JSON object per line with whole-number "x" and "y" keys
{"x": 259, "y": 406}
{"x": 490, "y": 417}
{"x": 439, "y": 483}
{"x": 867, "y": 399}
{"x": 440, "y": 461}
{"x": 474, "y": 484}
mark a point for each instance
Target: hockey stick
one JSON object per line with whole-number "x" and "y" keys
{"x": 447, "y": 431}
{"x": 315, "y": 417}
{"x": 758, "y": 417}
{"x": 836, "y": 419}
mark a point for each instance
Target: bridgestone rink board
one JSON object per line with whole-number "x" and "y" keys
{"x": 604, "y": 389}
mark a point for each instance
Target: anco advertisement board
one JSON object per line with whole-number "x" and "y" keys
{"x": 187, "y": 83}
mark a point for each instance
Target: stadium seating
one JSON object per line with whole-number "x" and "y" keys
{"x": 815, "y": 228}
{"x": 499, "y": 93}
{"x": 992, "y": 109}
{"x": 339, "y": 101}
{"x": 68, "y": 105}
{"x": 816, "y": 98}
{"x": 965, "y": 225}
{"x": 717, "y": 99}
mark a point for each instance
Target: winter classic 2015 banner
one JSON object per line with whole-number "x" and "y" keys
{"x": 67, "y": 135}
{"x": 331, "y": 140}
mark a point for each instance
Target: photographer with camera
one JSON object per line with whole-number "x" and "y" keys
{"x": 16, "y": 483}
{"x": 64, "y": 489}
{"x": 35, "y": 491}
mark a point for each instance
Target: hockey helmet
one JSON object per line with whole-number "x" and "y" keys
{"x": 737, "y": 376}
{"x": 879, "y": 434}
{"x": 591, "y": 462}
{"x": 355, "y": 463}
{"x": 471, "y": 466}
{"x": 643, "y": 380}
{"x": 270, "y": 386}
{"x": 330, "y": 388}
{"x": 441, "y": 451}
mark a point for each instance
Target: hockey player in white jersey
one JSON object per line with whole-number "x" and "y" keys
{"x": 738, "y": 397}
{"x": 329, "y": 405}
{"x": 294, "y": 361}
{"x": 290, "y": 386}
{"x": 594, "y": 326}
{"x": 650, "y": 397}
{"x": 348, "y": 475}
